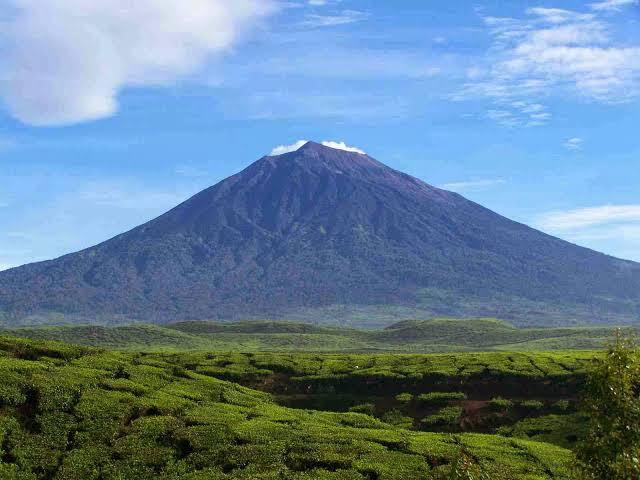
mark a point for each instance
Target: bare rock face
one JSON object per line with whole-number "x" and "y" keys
{"x": 320, "y": 234}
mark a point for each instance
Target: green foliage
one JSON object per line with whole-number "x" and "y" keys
{"x": 444, "y": 416}
{"x": 464, "y": 467}
{"x": 533, "y": 405}
{"x": 71, "y": 413}
{"x": 436, "y": 335}
{"x": 440, "y": 398}
{"x": 611, "y": 449}
{"x": 395, "y": 417}
{"x": 366, "y": 408}
{"x": 404, "y": 397}
{"x": 561, "y": 405}
{"x": 500, "y": 404}
{"x": 562, "y": 430}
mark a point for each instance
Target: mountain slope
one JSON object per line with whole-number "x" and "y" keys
{"x": 300, "y": 234}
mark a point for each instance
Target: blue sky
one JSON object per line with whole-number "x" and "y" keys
{"x": 113, "y": 113}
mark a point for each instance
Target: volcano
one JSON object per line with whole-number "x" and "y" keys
{"x": 325, "y": 235}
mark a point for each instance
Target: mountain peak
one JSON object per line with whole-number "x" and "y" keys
{"x": 312, "y": 146}
{"x": 303, "y": 146}
{"x": 327, "y": 233}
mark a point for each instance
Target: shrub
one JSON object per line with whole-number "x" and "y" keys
{"x": 366, "y": 408}
{"x": 445, "y": 416}
{"x": 611, "y": 448}
{"x": 440, "y": 398}
{"x": 499, "y": 404}
{"x": 404, "y": 397}
{"x": 395, "y": 417}
{"x": 533, "y": 405}
{"x": 561, "y": 405}
{"x": 120, "y": 373}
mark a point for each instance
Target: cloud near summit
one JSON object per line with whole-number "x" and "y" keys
{"x": 282, "y": 149}
{"x": 65, "y": 61}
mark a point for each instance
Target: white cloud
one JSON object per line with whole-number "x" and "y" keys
{"x": 345, "y": 17}
{"x": 555, "y": 51}
{"x": 4, "y": 266}
{"x": 317, "y": 3}
{"x": 503, "y": 117}
{"x": 282, "y": 149}
{"x": 610, "y": 228}
{"x": 614, "y": 5}
{"x": 473, "y": 185}
{"x": 574, "y": 143}
{"x": 589, "y": 217}
{"x": 65, "y": 61}
{"x": 519, "y": 114}
{"x": 342, "y": 146}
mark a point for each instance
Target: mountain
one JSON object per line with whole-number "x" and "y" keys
{"x": 325, "y": 235}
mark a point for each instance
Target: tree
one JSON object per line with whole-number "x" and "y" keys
{"x": 611, "y": 449}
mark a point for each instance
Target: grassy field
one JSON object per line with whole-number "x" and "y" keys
{"x": 80, "y": 413}
{"x": 437, "y": 335}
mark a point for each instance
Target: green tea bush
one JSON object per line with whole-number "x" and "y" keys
{"x": 404, "y": 397}
{"x": 70, "y": 413}
{"x": 499, "y": 404}
{"x": 446, "y": 416}
{"x": 561, "y": 406}
{"x": 440, "y": 398}
{"x": 531, "y": 405}
{"x": 366, "y": 408}
{"x": 396, "y": 417}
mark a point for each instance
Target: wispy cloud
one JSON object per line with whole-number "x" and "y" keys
{"x": 282, "y": 149}
{"x": 519, "y": 114}
{"x": 345, "y": 17}
{"x": 553, "y": 51}
{"x": 612, "y": 228}
{"x": 473, "y": 185}
{"x": 574, "y": 143}
{"x": 614, "y": 5}
{"x": 101, "y": 47}
{"x": 588, "y": 217}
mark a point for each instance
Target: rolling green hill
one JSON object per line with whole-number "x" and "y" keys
{"x": 437, "y": 335}
{"x": 80, "y": 413}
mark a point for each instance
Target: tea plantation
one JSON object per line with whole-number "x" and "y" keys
{"x": 419, "y": 336}
{"x": 80, "y": 413}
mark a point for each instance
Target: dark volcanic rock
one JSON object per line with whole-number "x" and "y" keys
{"x": 320, "y": 227}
